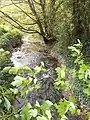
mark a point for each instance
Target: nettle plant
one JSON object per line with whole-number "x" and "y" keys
{"x": 81, "y": 70}
{"x": 65, "y": 107}
{"x": 61, "y": 83}
{"x": 81, "y": 76}
{"x": 38, "y": 111}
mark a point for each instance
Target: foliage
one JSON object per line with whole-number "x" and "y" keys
{"x": 11, "y": 39}
{"x": 5, "y": 59}
{"x": 4, "y": 29}
{"x": 81, "y": 75}
{"x": 80, "y": 85}
{"x": 64, "y": 27}
{"x": 28, "y": 112}
{"x": 41, "y": 111}
{"x": 61, "y": 82}
{"x": 64, "y": 107}
{"x": 44, "y": 18}
{"x": 5, "y": 77}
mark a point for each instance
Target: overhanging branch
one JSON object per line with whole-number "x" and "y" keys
{"x": 23, "y": 11}
{"x": 19, "y": 25}
{"x": 10, "y": 4}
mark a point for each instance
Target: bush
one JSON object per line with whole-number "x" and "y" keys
{"x": 5, "y": 59}
{"x": 80, "y": 75}
{"x": 4, "y": 29}
{"x": 5, "y": 77}
{"x": 11, "y": 39}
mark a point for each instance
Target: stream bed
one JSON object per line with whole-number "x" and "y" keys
{"x": 31, "y": 58}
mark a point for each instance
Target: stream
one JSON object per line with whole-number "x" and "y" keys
{"x": 32, "y": 54}
{"x": 21, "y": 57}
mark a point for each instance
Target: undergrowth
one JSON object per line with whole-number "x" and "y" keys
{"x": 78, "y": 85}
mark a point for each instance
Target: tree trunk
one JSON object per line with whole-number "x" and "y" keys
{"x": 81, "y": 20}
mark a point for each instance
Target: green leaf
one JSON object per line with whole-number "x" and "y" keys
{"x": 25, "y": 68}
{"x": 64, "y": 118}
{"x": 72, "y": 108}
{"x": 74, "y": 49}
{"x": 41, "y": 118}
{"x": 46, "y": 105}
{"x": 62, "y": 107}
{"x": 48, "y": 113}
{"x": 18, "y": 81}
{"x": 72, "y": 99}
{"x": 24, "y": 91}
{"x": 13, "y": 70}
{"x": 7, "y": 103}
{"x": 89, "y": 73}
{"x": 81, "y": 76}
{"x": 58, "y": 70}
{"x": 63, "y": 67}
{"x": 78, "y": 111}
{"x": 0, "y": 101}
{"x": 87, "y": 91}
{"x": 44, "y": 70}
{"x": 7, "y": 52}
{"x": 59, "y": 83}
{"x": 38, "y": 69}
{"x": 25, "y": 114}
{"x": 62, "y": 74}
{"x": 6, "y": 69}
{"x": 32, "y": 72}
{"x": 88, "y": 115}
{"x": 33, "y": 112}
{"x": 83, "y": 67}
{"x": 37, "y": 105}
{"x": 15, "y": 90}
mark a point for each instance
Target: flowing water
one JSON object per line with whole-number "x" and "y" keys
{"x": 22, "y": 57}
{"x": 32, "y": 54}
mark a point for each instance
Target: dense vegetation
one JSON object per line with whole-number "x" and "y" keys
{"x": 64, "y": 28}
{"x": 9, "y": 38}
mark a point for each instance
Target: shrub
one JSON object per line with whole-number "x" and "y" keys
{"x": 11, "y": 39}
{"x": 81, "y": 75}
{"x": 45, "y": 110}
{"x": 5, "y": 77}
{"x": 4, "y": 29}
{"x": 5, "y": 59}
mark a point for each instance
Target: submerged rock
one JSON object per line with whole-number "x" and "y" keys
{"x": 47, "y": 90}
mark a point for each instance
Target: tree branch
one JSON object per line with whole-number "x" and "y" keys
{"x": 19, "y": 25}
{"x": 23, "y": 11}
{"x": 37, "y": 2}
{"x": 11, "y": 4}
{"x": 57, "y": 7}
{"x": 39, "y": 23}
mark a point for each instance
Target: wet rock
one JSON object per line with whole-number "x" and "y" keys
{"x": 75, "y": 118}
{"x": 21, "y": 59}
{"x": 47, "y": 90}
